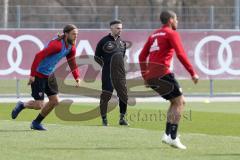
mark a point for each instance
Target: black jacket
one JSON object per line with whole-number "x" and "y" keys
{"x": 110, "y": 55}
{"x": 107, "y": 47}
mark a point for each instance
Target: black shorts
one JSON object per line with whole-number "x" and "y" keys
{"x": 44, "y": 85}
{"x": 166, "y": 86}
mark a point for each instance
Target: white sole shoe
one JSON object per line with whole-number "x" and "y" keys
{"x": 166, "y": 138}
{"x": 177, "y": 143}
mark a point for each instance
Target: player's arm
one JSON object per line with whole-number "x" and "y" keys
{"x": 98, "y": 54}
{"x": 176, "y": 42}
{"x": 52, "y": 48}
{"x": 73, "y": 65}
{"x": 143, "y": 57}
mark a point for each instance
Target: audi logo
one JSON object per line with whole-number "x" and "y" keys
{"x": 224, "y": 62}
{"x": 15, "y": 44}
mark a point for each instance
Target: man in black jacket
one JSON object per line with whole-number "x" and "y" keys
{"x": 110, "y": 52}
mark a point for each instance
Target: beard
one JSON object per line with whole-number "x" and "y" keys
{"x": 117, "y": 34}
{"x": 70, "y": 41}
{"x": 174, "y": 27}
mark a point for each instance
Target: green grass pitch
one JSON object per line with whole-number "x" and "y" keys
{"x": 219, "y": 86}
{"x": 211, "y": 131}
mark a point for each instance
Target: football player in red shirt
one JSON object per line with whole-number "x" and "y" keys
{"x": 155, "y": 59}
{"x": 42, "y": 79}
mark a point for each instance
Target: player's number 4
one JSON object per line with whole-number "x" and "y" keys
{"x": 154, "y": 46}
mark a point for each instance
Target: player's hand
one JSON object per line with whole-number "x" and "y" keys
{"x": 195, "y": 79}
{"x": 31, "y": 80}
{"x": 78, "y": 81}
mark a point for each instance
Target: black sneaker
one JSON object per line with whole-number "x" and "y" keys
{"x": 105, "y": 122}
{"x": 123, "y": 122}
{"x": 37, "y": 126}
{"x": 18, "y": 108}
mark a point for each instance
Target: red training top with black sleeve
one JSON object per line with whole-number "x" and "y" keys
{"x": 157, "y": 53}
{"x": 45, "y": 61}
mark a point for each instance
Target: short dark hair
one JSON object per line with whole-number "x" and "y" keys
{"x": 116, "y": 21}
{"x": 166, "y": 15}
{"x": 68, "y": 28}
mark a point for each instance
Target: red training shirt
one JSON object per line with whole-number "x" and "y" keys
{"x": 157, "y": 53}
{"x": 54, "y": 47}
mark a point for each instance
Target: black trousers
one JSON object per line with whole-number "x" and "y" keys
{"x": 109, "y": 83}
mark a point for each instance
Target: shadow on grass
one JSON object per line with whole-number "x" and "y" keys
{"x": 224, "y": 154}
{"x": 15, "y": 130}
{"x": 101, "y": 148}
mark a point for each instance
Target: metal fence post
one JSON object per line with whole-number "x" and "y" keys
{"x": 236, "y": 15}
{"x": 101, "y": 25}
{"x": 18, "y": 88}
{"x": 211, "y": 88}
{"x": 5, "y": 17}
{"x": 212, "y": 17}
{"x": 18, "y": 16}
{"x": 212, "y": 27}
{"x": 53, "y": 24}
{"x": 116, "y": 12}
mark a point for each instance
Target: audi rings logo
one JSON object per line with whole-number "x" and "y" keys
{"x": 224, "y": 62}
{"x": 15, "y": 44}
